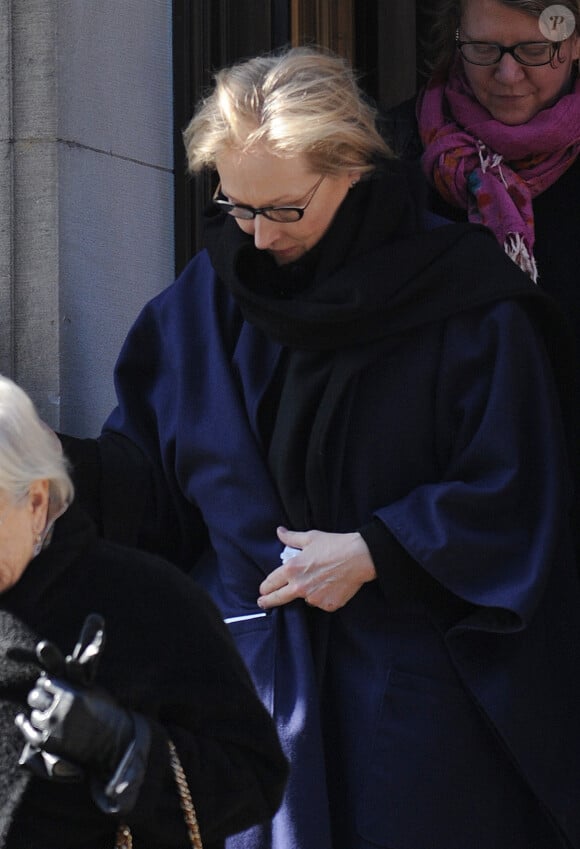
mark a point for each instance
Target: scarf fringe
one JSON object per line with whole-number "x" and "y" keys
{"x": 490, "y": 161}
{"x": 462, "y": 143}
{"x": 516, "y": 248}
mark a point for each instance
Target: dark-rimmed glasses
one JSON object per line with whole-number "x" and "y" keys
{"x": 280, "y": 214}
{"x": 533, "y": 54}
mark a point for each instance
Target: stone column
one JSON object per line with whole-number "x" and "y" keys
{"x": 29, "y": 337}
{"x": 86, "y": 193}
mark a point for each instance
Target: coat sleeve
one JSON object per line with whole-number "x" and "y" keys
{"x": 126, "y": 478}
{"x": 487, "y": 530}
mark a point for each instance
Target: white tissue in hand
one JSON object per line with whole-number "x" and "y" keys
{"x": 289, "y": 552}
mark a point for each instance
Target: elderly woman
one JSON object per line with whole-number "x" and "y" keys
{"x": 331, "y": 383}
{"x": 95, "y": 749}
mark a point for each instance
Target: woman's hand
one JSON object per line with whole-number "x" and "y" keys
{"x": 327, "y": 572}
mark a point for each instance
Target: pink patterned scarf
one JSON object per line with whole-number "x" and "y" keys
{"x": 490, "y": 169}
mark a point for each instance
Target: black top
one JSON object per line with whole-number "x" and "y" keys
{"x": 169, "y": 656}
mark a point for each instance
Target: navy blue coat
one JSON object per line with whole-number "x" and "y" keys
{"x": 439, "y": 708}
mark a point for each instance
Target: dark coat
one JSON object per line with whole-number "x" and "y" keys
{"x": 438, "y": 709}
{"x": 168, "y": 656}
{"x": 556, "y": 227}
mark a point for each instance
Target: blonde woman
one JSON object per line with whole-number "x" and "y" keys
{"x": 330, "y": 383}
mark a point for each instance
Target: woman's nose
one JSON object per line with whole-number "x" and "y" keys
{"x": 265, "y": 232}
{"x": 508, "y": 70}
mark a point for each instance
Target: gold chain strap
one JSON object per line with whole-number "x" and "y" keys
{"x": 124, "y": 839}
{"x": 185, "y": 798}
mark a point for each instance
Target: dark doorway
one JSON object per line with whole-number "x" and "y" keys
{"x": 208, "y": 34}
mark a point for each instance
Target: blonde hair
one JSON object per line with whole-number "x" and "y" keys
{"x": 300, "y": 102}
{"x": 29, "y": 450}
{"x": 447, "y": 17}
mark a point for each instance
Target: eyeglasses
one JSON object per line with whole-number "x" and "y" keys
{"x": 281, "y": 214}
{"x": 530, "y": 53}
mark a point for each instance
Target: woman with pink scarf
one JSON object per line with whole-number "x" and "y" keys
{"x": 498, "y": 126}
{"x": 497, "y": 130}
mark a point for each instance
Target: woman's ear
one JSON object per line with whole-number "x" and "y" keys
{"x": 38, "y": 498}
{"x": 353, "y": 177}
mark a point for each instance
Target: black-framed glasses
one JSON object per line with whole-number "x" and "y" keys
{"x": 530, "y": 53}
{"x": 280, "y": 214}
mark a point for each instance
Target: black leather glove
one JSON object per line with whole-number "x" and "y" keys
{"x": 74, "y": 725}
{"x": 79, "y": 667}
{"x": 82, "y": 725}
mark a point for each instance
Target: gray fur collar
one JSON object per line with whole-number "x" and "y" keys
{"x": 13, "y": 778}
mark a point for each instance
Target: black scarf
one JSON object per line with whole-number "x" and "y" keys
{"x": 375, "y": 273}
{"x": 321, "y": 301}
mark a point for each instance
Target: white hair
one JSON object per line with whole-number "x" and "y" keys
{"x": 29, "y": 450}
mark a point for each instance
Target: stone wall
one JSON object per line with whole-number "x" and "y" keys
{"x": 86, "y": 192}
